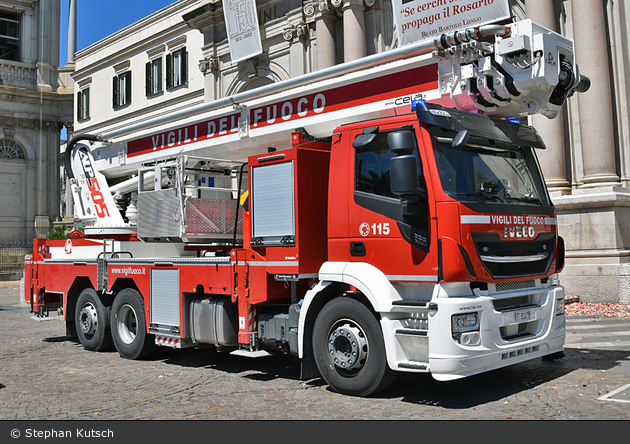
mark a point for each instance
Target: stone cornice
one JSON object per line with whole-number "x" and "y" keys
{"x": 141, "y": 24}
{"x": 204, "y": 17}
{"x": 149, "y": 42}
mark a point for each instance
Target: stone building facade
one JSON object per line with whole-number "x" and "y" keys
{"x": 586, "y": 165}
{"x": 35, "y": 103}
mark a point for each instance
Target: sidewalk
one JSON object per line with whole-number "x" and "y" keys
{"x": 590, "y": 309}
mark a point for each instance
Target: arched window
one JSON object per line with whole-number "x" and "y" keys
{"x": 10, "y": 149}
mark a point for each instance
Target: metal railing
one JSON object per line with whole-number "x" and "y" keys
{"x": 12, "y": 256}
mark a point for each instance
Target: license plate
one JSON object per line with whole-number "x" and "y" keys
{"x": 521, "y": 316}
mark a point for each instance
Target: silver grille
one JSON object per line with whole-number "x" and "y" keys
{"x": 522, "y": 328}
{"x": 509, "y": 303}
{"x": 519, "y": 332}
{"x": 518, "y": 285}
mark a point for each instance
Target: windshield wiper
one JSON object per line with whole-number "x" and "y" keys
{"x": 481, "y": 194}
{"x": 532, "y": 200}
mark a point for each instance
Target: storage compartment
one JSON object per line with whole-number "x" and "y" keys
{"x": 214, "y": 321}
{"x": 277, "y": 330}
{"x": 165, "y": 301}
{"x": 273, "y": 204}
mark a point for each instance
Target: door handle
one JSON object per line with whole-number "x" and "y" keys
{"x": 357, "y": 249}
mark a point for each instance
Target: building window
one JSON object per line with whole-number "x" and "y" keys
{"x": 122, "y": 89}
{"x": 154, "y": 77}
{"x": 176, "y": 68}
{"x": 83, "y": 104}
{"x": 9, "y": 36}
{"x": 10, "y": 149}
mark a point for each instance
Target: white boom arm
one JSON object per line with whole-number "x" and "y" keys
{"x": 529, "y": 69}
{"x": 93, "y": 201}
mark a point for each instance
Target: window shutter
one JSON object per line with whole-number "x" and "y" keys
{"x": 86, "y": 103}
{"x": 127, "y": 87}
{"x": 115, "y": 94}
{"x": 159, "y": 75}
{"x": 79, "y": 105}
{"x": 169, "y": 71}
{"x": 148, "y": 79}
{"x": 184, "y": 59}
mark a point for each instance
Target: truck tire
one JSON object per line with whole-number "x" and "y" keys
{"x": 129, "y": 328}
{"x": 349, "y": 349}
{"x": 92, "y": 320}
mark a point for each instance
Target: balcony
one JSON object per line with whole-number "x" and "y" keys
{"x": 17, "y": 74}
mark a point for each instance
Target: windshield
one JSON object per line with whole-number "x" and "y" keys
{"x": 484, "y": 173}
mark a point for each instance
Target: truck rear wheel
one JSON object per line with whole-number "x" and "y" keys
{"x": 92, "y": 319}
{"x": 349, "y": 349}
{"x": 129, "y": 328}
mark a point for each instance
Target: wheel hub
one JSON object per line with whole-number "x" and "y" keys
{"x": 88, "y": 319}
{"x": 127, "y": 324}
{"x": 347, "y": 346}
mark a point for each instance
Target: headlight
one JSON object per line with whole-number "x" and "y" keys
{"x": 466, "y": 329}
{"x": 465, "y": 322}
{"x": 559, "y": 307}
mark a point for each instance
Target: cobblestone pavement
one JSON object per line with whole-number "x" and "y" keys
{"x": 45, "y": 377}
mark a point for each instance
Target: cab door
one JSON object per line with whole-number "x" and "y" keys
{"x": 397, "y": 235}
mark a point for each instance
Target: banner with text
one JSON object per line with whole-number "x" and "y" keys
{"x": 422, "y": 19}
{"x": 241, "y": 21}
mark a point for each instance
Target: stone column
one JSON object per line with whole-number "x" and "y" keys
{"x": 552, "y": 160}
{"x": 325, "y": 24}
{"x": 373, "y": 36}
{"x": 43, "y": 53}
{"x": 42, "y": 220}
{"x": 72, "y": 31}
{"x": 596, "y": 109}
{"x": 592, "y": 220}
{"x": 353, "y": 30}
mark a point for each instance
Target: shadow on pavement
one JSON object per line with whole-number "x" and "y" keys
{"x": 498, "y": 384}
{"x": 55, "y": 339}
{"x": 419, "y": 389}
{"x": 261, "y": 369}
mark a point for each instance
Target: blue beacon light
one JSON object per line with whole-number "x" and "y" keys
{"x": 415, "y": 103}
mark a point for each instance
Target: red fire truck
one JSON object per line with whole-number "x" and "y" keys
{"x": 381, "y": 216}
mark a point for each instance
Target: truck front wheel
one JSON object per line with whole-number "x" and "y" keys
{"x": 349, "y": 349}
{"x": 92, "y": 321}
{"x": 129, "y": 328}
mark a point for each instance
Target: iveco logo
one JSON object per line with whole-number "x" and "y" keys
{"x": 518, "y": 231}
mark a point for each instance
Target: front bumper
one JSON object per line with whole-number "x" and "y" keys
{"x": 505, "y": 338}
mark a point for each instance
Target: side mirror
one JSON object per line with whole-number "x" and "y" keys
{"x": 403, "y": 176}
{"x": 456, "y": 142}
{"x": 460, "y": 139}
{"x": 403, "y": 168}
{"x": 401, "y": 142}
